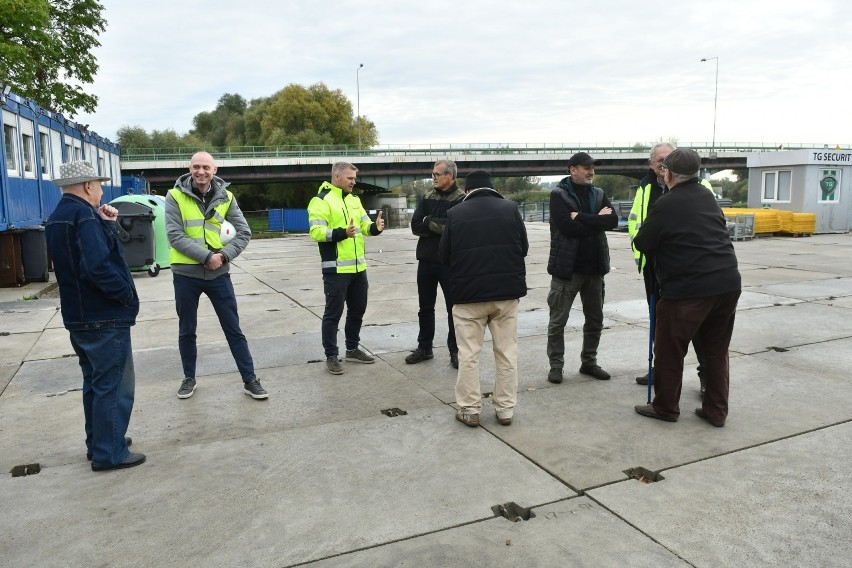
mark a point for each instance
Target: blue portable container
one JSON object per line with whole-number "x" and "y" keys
{"x": 34, "y": 142}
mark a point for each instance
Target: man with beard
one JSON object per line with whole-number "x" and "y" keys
{"x": 579, "y": 259}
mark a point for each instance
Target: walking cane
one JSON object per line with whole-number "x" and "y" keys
{"x": 653, "y": 309}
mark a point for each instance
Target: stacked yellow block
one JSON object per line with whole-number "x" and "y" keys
{"x": 785, "y": 221}
{"x": 775, "y": 220}
{"x": 804, "y": 223}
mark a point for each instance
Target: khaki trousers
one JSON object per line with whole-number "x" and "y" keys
{"x": 501, "y": 318}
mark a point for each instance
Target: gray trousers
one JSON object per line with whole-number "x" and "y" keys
{"x": 560, "y": 298}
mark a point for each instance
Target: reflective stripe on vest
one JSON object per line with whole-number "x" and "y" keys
{"x": 342, "y": 263}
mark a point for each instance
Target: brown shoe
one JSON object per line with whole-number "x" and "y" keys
{"x": 701, "y": 414}
{"x": 648, "y": 410}
{"x": 471, "y": 420}
{"x": 504, "y": 421}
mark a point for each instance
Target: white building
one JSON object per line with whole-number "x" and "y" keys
{"x": 804, "y": 181}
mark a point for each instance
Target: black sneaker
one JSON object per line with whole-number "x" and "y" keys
{"x": 554, "y": 376}
{"x": 187, "y": 387}
{"x": 454, "y": 360}
{"x": 594, "y": 371}
{"x": 254, "y": 390}
{"x": 333, "y": 365}
{"x": 419, "y": 355}
{"x": 358, "y": 355}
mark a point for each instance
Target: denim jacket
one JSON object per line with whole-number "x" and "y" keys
{"x": 96, "y": 289}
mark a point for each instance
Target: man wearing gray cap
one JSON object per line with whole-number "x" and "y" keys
{"x": 685, "y": 237}
{"x": 99, "y": 304}
{"x": 578, "y": 261}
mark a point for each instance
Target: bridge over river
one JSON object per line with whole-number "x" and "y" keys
{"x": 387, "y": 166}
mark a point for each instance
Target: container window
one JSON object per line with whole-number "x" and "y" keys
{"x": 10, "y": 139}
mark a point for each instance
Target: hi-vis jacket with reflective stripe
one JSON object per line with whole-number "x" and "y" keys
{"x": 649, "y": 187}
{"x": 193, "y": 228}
{"x": 329, "y": 214}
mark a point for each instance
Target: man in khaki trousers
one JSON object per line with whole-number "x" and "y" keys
{"x": 484, "y": 244}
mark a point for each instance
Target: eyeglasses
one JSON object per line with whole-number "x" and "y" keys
{"x": 434, "y": 175}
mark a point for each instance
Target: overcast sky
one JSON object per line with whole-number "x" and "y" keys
{"x": 606, "y": 72}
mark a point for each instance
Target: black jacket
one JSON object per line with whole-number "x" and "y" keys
{"x": 485, "y": 243}
{"x": 429, "y": 220}
{"x": 578, "y": 245}
{"x": 686, "y": 237}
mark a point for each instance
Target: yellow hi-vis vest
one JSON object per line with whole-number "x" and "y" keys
{"x": 639, "y": 212}
{"x": 204, "y": 231}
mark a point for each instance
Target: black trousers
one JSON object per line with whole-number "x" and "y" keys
{"x": 429, "y": 275}
{"x": 349, "y": 290}
{"x": 651, "y": 286}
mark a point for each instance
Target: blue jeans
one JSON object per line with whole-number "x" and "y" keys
{"x": 109, "y": 382}
{"x": 340, "y": 289}
{"x": 221, "y": 293}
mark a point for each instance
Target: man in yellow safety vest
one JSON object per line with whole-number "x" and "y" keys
{"x": 196, "y": 209}
{"x": 338, "y": 223}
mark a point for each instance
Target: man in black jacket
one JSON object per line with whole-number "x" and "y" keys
{"x": 579, "y": 259}
{"x": 484, "y": 244}
{"x": 686, "y": 238}
{"x": 651, "y": 187}
{"x": 428, "y": 223}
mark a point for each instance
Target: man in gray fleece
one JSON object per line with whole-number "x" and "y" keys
{"x": 196, "y": 209}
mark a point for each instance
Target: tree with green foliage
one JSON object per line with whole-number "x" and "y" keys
{"x": 135, "y": 138}
{"x": 736, "y": 190}
{"x": 294, "y": 116}
{"x": 298, "y": 115}
{"x": 510, "y": 185}
{"x": 530, "y": 196}
{"x": 45, "y": 51}
{"x": 415, "y": 190}
{"x": 616, "y": 187}
{"x": 225, "y": 125}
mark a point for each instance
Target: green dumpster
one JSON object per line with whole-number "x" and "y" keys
{"x": 142, "y": 231}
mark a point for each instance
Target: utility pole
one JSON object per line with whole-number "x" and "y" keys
{"x": 715, "y": 99}
{"x": 358, "y": 101}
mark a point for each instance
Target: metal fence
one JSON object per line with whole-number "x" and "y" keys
{"x": 399, "y": 218}
{"x": 443, "y": 150}
{"x": 259, "y": 221}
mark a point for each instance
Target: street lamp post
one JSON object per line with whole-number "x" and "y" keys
{"x": 715, "y": 99}
{"x": 358, "y": 101}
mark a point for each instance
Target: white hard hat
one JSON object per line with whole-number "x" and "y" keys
{"x": 227, "y": 233}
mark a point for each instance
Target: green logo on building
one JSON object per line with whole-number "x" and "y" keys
{"x": 828, "y": 185}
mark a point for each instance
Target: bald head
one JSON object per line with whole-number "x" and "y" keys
{"x": 202, "y": 167}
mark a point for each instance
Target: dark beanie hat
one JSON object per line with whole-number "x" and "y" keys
{"x": 582, "y": 159}
{"x": 477, "y": 179}
{"x": 683, "y": 161}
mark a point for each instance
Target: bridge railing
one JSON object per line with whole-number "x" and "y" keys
{"x": 438, "y": 150}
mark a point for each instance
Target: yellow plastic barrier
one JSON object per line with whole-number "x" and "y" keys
{"x": 776, "y": 220}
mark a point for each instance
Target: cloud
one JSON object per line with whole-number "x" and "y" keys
{"x": 475, "y": 71}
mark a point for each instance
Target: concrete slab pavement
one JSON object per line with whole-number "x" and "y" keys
{"x": 316, "y": 474}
